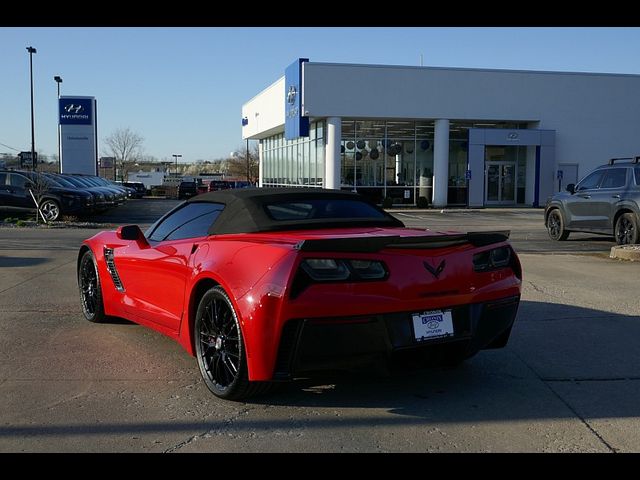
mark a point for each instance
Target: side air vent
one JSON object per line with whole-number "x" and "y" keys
{"x": 111, "y": 267}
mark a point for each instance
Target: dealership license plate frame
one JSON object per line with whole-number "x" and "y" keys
{"x": 432, "y": 325}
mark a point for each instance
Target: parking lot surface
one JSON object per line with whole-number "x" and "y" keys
{"x": 568, "y": 381}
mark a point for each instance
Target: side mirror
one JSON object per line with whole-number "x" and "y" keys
{"x": 130, "y": 232}
{"x": 571, "y": 188}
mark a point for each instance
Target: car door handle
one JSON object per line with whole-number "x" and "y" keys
{"x": 584, "y": 196}
{"x": 615, "y": 196}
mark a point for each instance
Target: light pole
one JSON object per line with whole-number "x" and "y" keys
{"x": 176, "y": 155}
{"x": 58, "y": 80}
{"x": 31, "y": 51}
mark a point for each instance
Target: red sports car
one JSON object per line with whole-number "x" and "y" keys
{"x": 261, "y": 285}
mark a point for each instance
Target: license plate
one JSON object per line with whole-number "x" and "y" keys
{"x": 435, "y": 324}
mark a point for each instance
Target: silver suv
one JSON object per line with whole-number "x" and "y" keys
{"x": 606, "y": 201}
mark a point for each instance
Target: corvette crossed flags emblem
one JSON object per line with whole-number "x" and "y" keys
{"x": 435, "y": 271}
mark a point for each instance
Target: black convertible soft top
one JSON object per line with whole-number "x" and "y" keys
{"x": 249, "y": 210}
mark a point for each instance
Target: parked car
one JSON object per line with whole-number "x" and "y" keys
{"x": 140, "y": 189}
{"x": 80, "y": 182}
{"x": 99, "y": 201}
{"x": 261, "y": 285}
{"x": 187, "y": 190}
{"x": 606, "y": 201}
{"x": 17, "y": 187}
{"x": 215, "y": 185}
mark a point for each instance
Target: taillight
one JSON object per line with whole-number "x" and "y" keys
{"x": 368, "y": 269}
{"x": 492, "y": 259}
{"x": 338, "y": 270}
{"x": 326, "y": 269}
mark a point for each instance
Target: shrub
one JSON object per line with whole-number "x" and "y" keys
{"x": 21, "y": 223}
{"x": 387, "y": 202}
{"x": 422, "y": 202}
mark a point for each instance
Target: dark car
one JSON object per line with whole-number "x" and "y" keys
{"x": 266, "y": 285}
{"x": 17, "y": 188}
{"x": 606, "y": 201}
{"x": 109, "y": 198}
{"x": 187, "y": 190}
{"x": 215, "y": 185}
{"x": 140, "y": 189}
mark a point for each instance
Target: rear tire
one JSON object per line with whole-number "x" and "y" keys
{"x": 555, "y": 226}
{"x": 90, "y": 289}
{"x": 220, "y": 349}
{"x": 626, "y": 229}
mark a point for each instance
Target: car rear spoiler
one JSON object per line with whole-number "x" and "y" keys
{"x": 375, "y": 244}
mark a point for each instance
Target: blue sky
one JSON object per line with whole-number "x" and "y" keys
{"x": 182, "y": 88}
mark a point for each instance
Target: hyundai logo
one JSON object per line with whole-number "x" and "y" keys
{"x": 512, "y": 136}
{"x": 433, "y": 324}
{"x": 291, "y": 95}
{"x": 73, "y": 108}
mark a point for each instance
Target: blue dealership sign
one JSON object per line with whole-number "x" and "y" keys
{"x": 75, "y": 111}
{"x": 295, "y": 124}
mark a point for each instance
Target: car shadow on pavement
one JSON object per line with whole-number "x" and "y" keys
{"x": 573, "y": 238}
{"x": 22, "y": 261}
{"x": 109, "y": 320}
{"x": 562, "y": 362}
{"x": 555, "y": 351}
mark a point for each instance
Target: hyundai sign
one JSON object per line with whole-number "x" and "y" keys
{"x": 295, "y": 124}
{"x": 76, "y": 111}
{"x": 78, "y": 135}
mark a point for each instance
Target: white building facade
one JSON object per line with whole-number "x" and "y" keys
{"x": 457, "y": 137}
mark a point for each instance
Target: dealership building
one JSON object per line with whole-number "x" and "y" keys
{"x": 456, "y": 136}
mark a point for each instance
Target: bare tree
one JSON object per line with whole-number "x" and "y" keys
{"x": 37, "y": 187}
{"x": 125, "y": 145}
{"x": 245, "y": 164}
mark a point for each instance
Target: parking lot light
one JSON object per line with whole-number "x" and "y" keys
{"x": 31, "y": 51}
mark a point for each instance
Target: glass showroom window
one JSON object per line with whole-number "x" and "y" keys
{"x": 382, "y": 159}
{"x": 294, "y": 162}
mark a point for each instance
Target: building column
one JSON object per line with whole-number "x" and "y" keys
{"x": 530, "y": 187}
{"x": 332, "y": 155}
{"x": 441, "y": 163}
{"x": 260, "y": 164}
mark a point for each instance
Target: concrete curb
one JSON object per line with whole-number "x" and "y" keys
{"x": 626, "y": 252}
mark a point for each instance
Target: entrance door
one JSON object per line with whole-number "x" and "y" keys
{"x": 500, "y": 183}
{"x": 567, "y": 173}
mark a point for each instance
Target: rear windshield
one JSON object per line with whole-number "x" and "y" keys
{"x": 322, "y": 208}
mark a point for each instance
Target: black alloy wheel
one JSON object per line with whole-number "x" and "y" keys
{"x": 50, "y": 210}
{"x": 555, "y": 226}
{"x": 90, "y": 289}
{"x": 626, "y": 231}
{"x": 220, "y": 348}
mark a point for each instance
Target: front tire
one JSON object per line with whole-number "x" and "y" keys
{"x": 90, "y": 289}
{"x": 626, "y": 229}
{"x": 220, "y": 349}
{"x": 555, "y": 226}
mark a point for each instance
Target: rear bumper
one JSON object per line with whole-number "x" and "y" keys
{"x": 346, "y": 342}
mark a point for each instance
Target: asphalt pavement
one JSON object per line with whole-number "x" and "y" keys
{"x": 568, "y": 381}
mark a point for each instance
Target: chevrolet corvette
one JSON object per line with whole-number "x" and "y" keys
{"x": 263, "y": 285}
